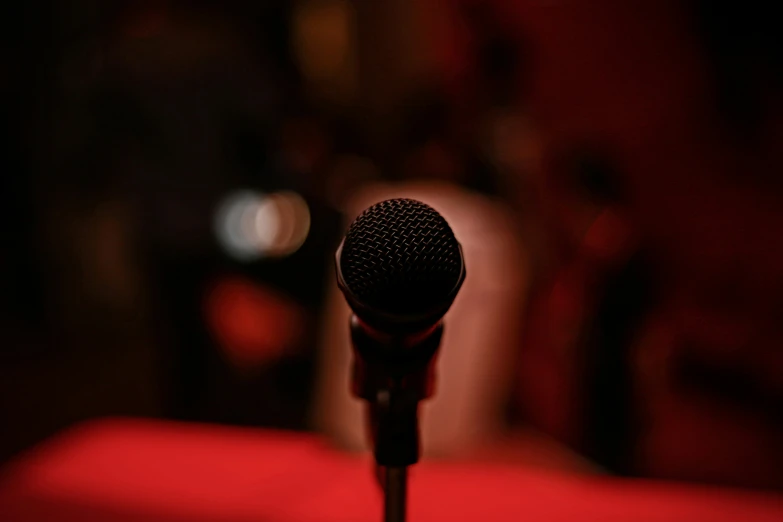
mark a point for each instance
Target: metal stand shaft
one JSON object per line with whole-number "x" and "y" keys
{"x": 396, "y": 490}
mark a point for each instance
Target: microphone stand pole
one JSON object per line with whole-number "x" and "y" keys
{"x": 393, "y": 375}
{"x": 395, "y": 494}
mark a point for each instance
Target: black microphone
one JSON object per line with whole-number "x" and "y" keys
{"x": 400, "y": 268}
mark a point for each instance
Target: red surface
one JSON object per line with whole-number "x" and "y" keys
{"x": 129, "y": 470}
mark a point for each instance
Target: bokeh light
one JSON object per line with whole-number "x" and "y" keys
{"x": 252, "y": 226}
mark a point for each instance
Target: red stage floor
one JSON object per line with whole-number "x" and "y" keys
{"x": 134, "y": 470}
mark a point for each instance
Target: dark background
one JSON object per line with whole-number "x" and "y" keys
{"x": 127, "y": 123}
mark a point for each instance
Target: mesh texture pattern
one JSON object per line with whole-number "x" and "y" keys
{"x": 400, "y": 256}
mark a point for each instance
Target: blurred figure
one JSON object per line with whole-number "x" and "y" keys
{"x": 433, "y": 152}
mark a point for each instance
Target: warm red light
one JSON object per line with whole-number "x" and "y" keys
{"x": 253, "y": 324}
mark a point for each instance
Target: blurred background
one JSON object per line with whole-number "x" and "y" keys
{"x": 176, "y": 176}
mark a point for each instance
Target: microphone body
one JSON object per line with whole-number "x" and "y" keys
{"x": 400, "y": 268}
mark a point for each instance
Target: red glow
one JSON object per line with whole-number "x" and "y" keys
{"x": 253, "y": 324}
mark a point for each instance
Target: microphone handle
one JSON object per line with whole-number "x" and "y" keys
{"x": 393, "y": 379}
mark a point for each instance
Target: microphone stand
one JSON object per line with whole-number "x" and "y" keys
{"x": 393, "y": 374}
{"x": 395, "y": 494}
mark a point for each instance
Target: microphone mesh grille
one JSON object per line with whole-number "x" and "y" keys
{"x": 400, "y": 256}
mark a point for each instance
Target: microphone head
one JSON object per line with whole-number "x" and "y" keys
{"x": 400, "y": 266}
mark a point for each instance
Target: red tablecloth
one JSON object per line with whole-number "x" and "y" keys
{"x": 129, "y": 470}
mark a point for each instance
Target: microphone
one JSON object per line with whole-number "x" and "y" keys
{"x": 400, "y": 268}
